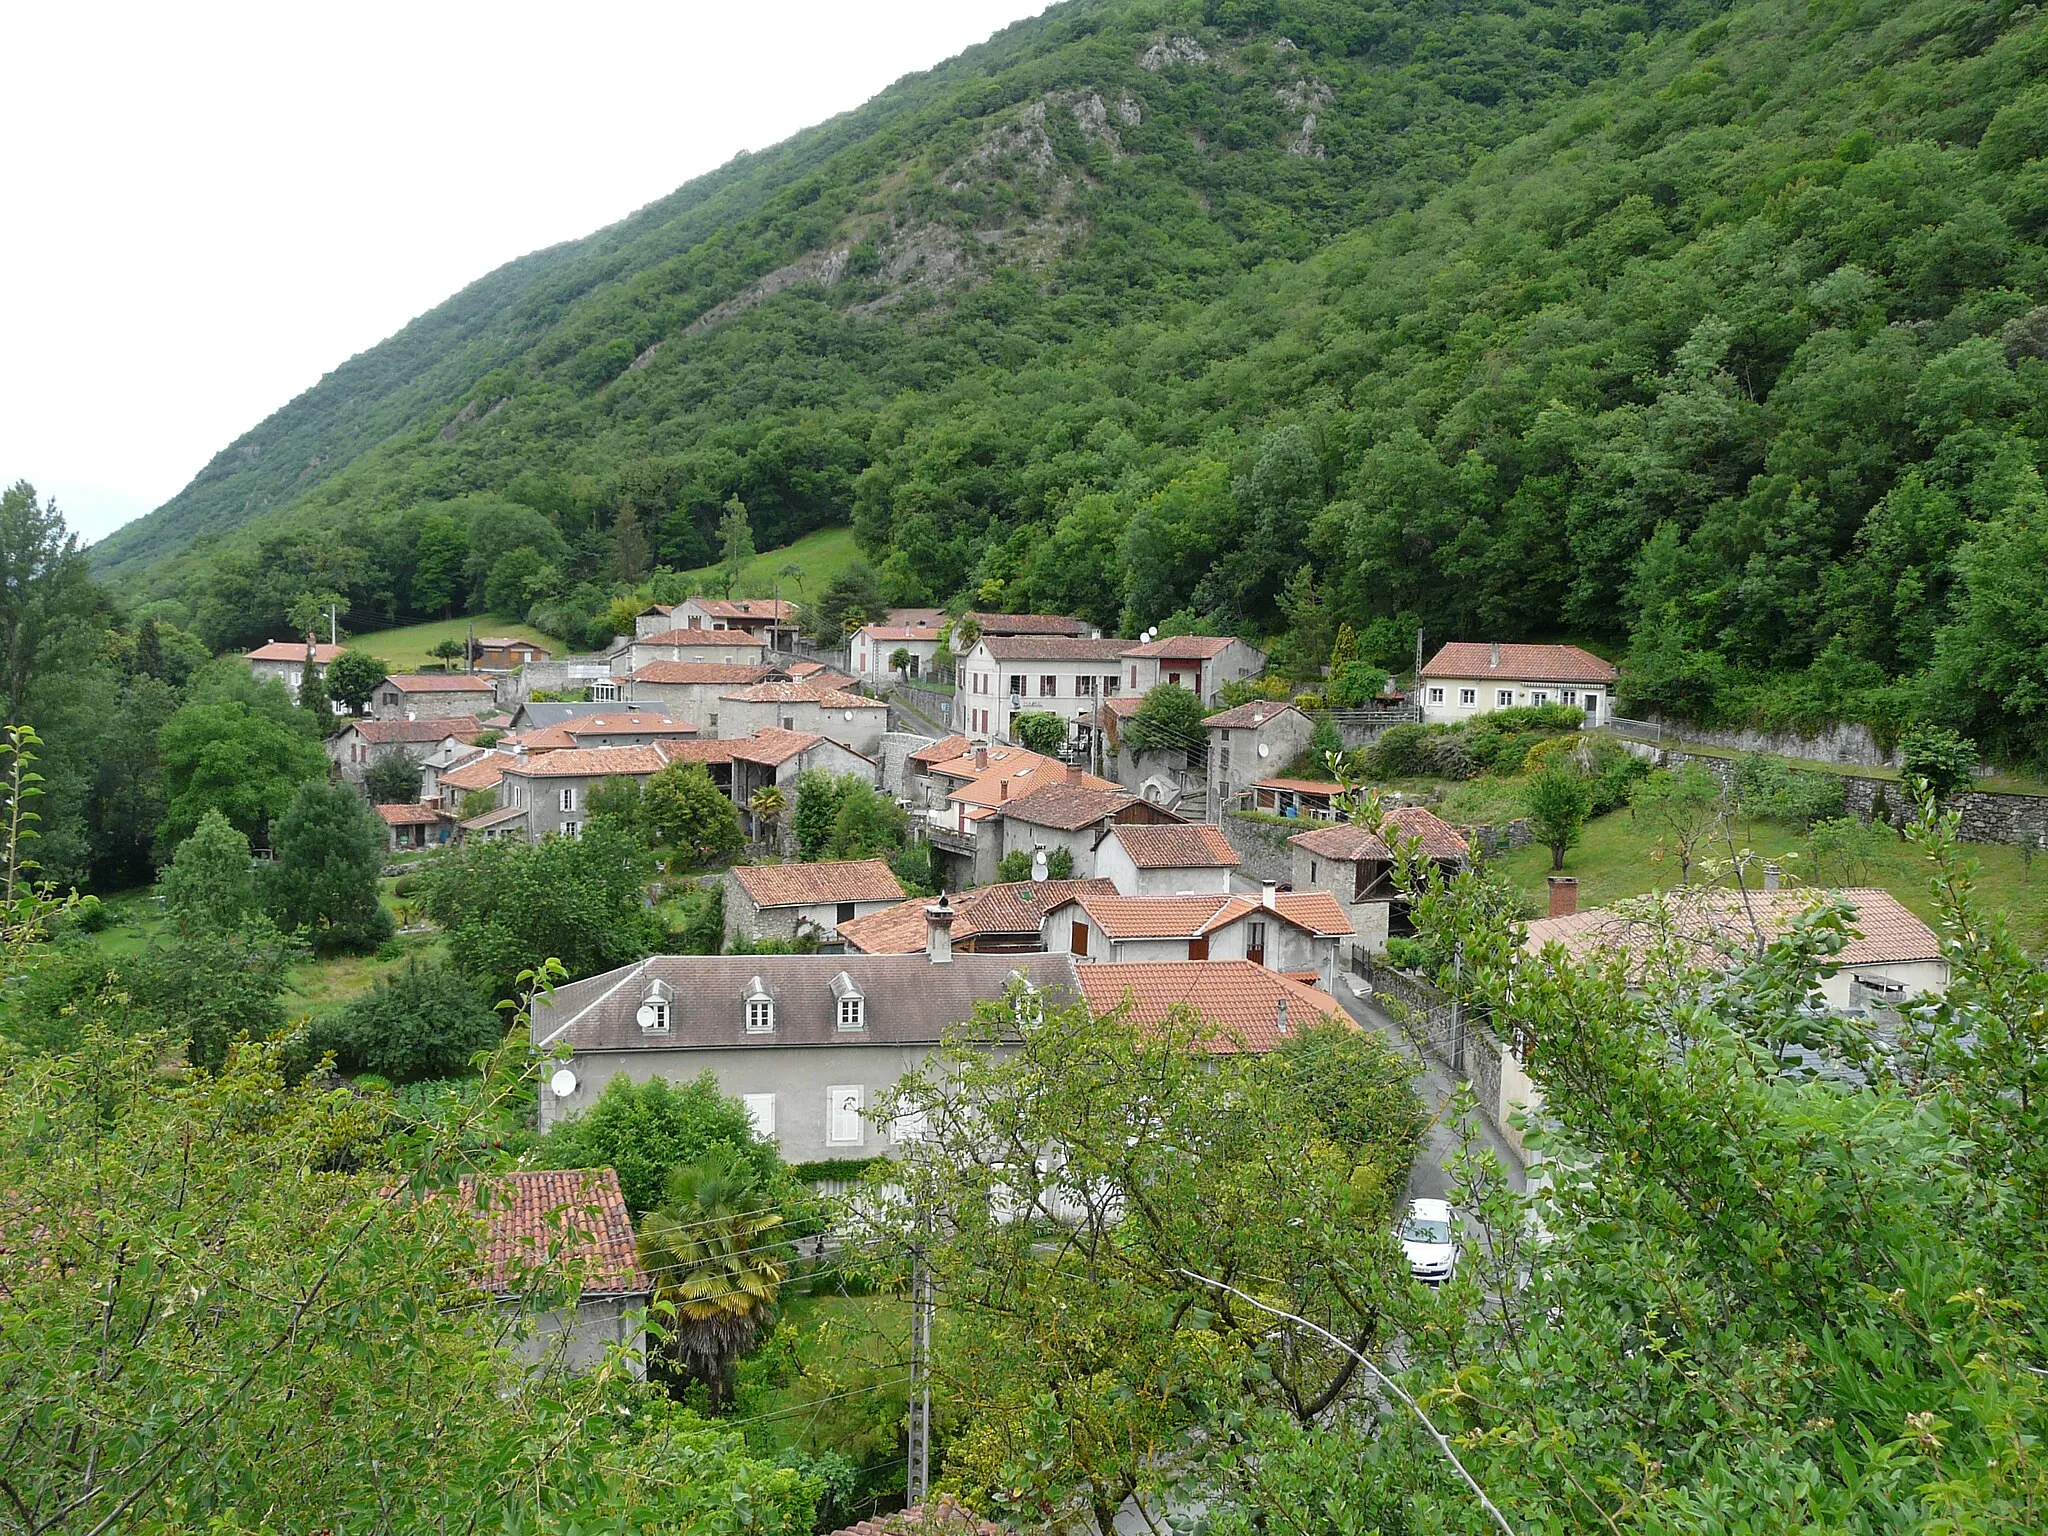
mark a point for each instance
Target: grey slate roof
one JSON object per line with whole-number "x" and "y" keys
{"x": 910, "y": 1001}
{"x": 551, "y": 713}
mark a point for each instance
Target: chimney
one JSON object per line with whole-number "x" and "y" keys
{"x": 1073, "y": 773}
{"x": 1280, "y": 1016}
{"x": 938, "y": 932}
{"x": 1493, "y": 659}
{"x": 1564, "y": 895}
{"x": 1269, "y": 894}
{"x": 1002, "y": 789}
{"x": 1773, "y": 877}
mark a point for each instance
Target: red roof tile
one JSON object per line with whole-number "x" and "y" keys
{"x": 572, "y": 1221}
{"x": 478, "y": 773}
{"x": 727, "y": 637}
{"x": 803, "y": 693}
{"x": 1183, "y": 647}
{"x": 627, "y": 725}
{"x": 1239, "y": 998}
{"x": 779, "y": 610}
{"x": 731, "y": 674}
{"x": 1026, "y": 623}
{"x": 1014, "y": 907}
{"x": 441, "y": 682}
{"x": 943, "y": 750}
{"x": 1249, "y": 717}
{"x": 942, "y": 1517}
{"x": 589, "y": 763}
{"x": 1322, "y": 787}
{"x": 1067, "y": 807}
{"x": 1349, "y": 840}
{"x": 293, "y": 650}
{"x": 803, "y": 885}
{"x": 1519, "y": 663}
{"x": 1194, "y": 846}
{"x": 386, "y": 732}
{"x": 1711, "y": 919}
{"x": 1054, "y": 648}
{"x": 408, "y": 815}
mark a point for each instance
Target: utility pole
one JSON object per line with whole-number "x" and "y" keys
{"x": 469, "y": 649}
{"x": 1417, "y": 697}
{"x": 333, "y": 626}
{"x": 919, "y": 1473}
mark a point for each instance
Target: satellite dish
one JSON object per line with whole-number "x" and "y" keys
{"x": 562, "y": 1084}
{"x": 648, "y": 1015}
{"x": 849, "y": 714}
{"x": 1265, "y": 750}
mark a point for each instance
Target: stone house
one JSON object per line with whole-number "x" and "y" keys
{"x": 1354, "y": 864}
{"x": 1005, "y": 919}
{"x": 1296, "y": 931}
{"x": 1006, "y": 625}
{"x": 1202, "y": 664}
{"x": 482, "y": 770}
{"x": 1068, "y": 814}
{"x": 869, "y": 649}
{"x": 552, "y": 789}
{"x": 768, "y": 620}
{"x": 1251, "y": 742}
{"x": 1166, "y": 859}
{"x": 573, "y": 1226}
{"x": 726, "y": 647}
{"x": 854, "y": 722}
{"x": 809, "y": 1043}
{"x": 788, "y": 901}
{"x": 959, "y": 799}
{"x": 362, "y": 744}
{"x": 413, "y": 826}
{"x": 433, "y": 696}
{"x": 691, "y": 690}
{"x": 284, "y": 661}
{"x": 1469, "y": 678}
{"x": 1003, "y": 676}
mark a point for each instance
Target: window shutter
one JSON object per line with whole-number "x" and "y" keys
{"x": 843, "y": 1105}
{"x": 760, "y": 1112}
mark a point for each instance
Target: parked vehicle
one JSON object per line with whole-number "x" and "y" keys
{"x": 1427, "y": 1238}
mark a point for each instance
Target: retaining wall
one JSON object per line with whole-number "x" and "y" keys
{"x": 1843, "y": 742}
{"x": 1263, "y": 845}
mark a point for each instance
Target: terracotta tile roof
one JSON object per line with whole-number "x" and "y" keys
{"x": 498, "y": 818}
{"x": 1067, "y": 807}
{"x": 771, "y": 745}
{"x": 1249, "y": 717}
{"x": 1014, "y": 907}
{"x": 731, "y": 674}
{"x": 408, "y": 815}
{"x": 780, "y": 610}
{"x": 292, "y": 650}
{"x": 694, "y": 750}
{"x": 574, "y": 1221}
{"x": 1239, "y": 998}
{"x": 1713, "y": 920}
{"x": 803, "y": 693}
{"x": 1318, "y": 912}
{"x": 1322, "y": 787}
{"x": 881, "y": 633}
{"x": 511, "y": 642}
{"x": 933, "y": 617}
{"x": 664, "y": 609}
{"x": 1189, "y": 917}
{"x": 1349, "y": 840}
{"x": 1001, "y": 624}
{"x": 1118, "y": 705}
{"x": 627, "y": 725}
{"x": 728, "y": 637}
{"x": 1054, "y": 648}
{"x": 1519, "y": 663}
{"x": 942, "y": 1517}
{"x": 440, "y": 682}
{"x": 589, "y": 763}
{"x": 822, "y": 676}
{"x": 910, "y": 1001}
{"x": 1192, "y": 846}
{"x": 804, "y": 885}
{"x": 478, "y": 773}
{"x": 542, "y": 738}
{"x": 1183, "y": 647}
{"x": 1022, "y": 771}
{"x": 943, "y": 750}
{"x": 386, "y": 732}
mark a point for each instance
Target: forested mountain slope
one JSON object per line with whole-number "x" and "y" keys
{"x": 1735, "y": 359}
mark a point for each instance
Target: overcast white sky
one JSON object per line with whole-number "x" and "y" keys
{"x": 206, "y": 207}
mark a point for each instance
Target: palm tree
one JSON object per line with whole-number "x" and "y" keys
{"x": 716, "y": 1272}
{"x": 767, "y": 803}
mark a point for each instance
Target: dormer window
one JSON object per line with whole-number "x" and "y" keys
{"x": 852, "y": 1010}
{"x": 760, "y": 1009}
{"x": 654, "y": 1009}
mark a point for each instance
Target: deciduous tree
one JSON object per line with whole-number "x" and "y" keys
{"x": 327, "y": 848}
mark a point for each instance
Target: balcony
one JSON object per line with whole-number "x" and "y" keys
{"x": 952, "y": 840}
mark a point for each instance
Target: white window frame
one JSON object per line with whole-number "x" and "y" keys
{"x": 908, "y": 1127}
{"x": 760, "y": 1113}
{"x": 660, "y": 1024}
{"x": 845, "y": 1125}
{"x": 1503, "y": 698}
{"x": 572, "y": 829}
{"x": 569, "y": 797}
{"x": 1436, "y": 695}
{"x": 1538, "y": 698}
{"x": 853, "y": 1013}
{"x": 1468, "y": 696}
{"x": 760, "y": 1014}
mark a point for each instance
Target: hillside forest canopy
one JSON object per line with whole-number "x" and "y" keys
{"x": 1711, "y": 338}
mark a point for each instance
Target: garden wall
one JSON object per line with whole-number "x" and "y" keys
{"x": 1263, "y": 845}
{"x": 1843, "y": 742}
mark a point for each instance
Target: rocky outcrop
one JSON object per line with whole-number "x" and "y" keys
{"x": 1172, "y": 51}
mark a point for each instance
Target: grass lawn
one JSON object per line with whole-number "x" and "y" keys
{"x": 1616, "y": 858}
{"x": 820, "y": 556}
{"x": 410, "y": 648}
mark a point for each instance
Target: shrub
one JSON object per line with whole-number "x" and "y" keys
{"x": 645, "y": 1129}
{"x": 1770, "y": 789}
{"x": 1039, "y": 731}
{"x": 1945, "y": 760}
{"x": 89, "y": 915}
{"x": 425, "y": 1021}
{"x": 1016, "y": 865}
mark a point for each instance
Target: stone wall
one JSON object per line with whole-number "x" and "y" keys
{"x": 894, "y": 756}
{"x": 1362, "y": 727}
{"x": 1262, "y": 845}
{"x": 1843, "y": 742}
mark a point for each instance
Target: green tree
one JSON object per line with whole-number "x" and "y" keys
{"x": 851, "y": 598}
{"x": 393, "y": 780}
{"x": 515, "y": 581}
{"x": 1557, "y": 802}
{"x": 494, "y": 530}
{"x": 1169, "y": 720}
{"x": 899, "y": 661}
{"x": 818, "y": 795}
{"x": 768, "y": 805}
{"x": 735, "y": 543}
{"x": 45, "y": 595}
{"x": 211, "y": 880}
{"x": 1324, "y": 743}
{"x": 1039, "y": 731}
{"x": 619, "y": 800}
{"x": 449, "y": 649}
{"x": 328, "y": 848}
{"x": 424, "y": 1021}
{"x": 1939, "y": 758}
{"x": 1685, "y": 805}
{"x": 1017, "y": 864}
{"x": 648, "y": 1130}
{"x": 867, "y": 823}
{"x": 437, "y": 563}
{"x": 229, "y": 757}
{"x": 313, "y": 697}
{"x": 685, "y": 809}
{"x": 630, "y": 553}
{"x": 353, "y": 676}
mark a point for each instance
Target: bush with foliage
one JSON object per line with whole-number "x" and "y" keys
{"x": 1557, "y": 802}
{"x": 867, "y": 824}
{"x": 683, "y": 807}
{"x": 1016, "y": 864}
{"x": 1771, "y": 789}
{"x": 328, "y": 849}
{"x": 817, "y": 810}
{"x": 647, "y": 1130}
{"x": 1940, "y": 758}
{"x": 1040, "y": 731}
{"x": 420, "y": 1022}
{"x": 1168, "y": 720}
{"x": 617, "y": 799}
{"x": 393, "y": 780}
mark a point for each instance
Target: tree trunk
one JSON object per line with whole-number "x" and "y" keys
{"x": 1557, "y": 856}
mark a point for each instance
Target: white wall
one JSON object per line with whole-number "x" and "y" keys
{"x": 1485, "y": 698}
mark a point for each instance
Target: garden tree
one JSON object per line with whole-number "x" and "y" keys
{"x": 648, "y": 1130}
{"x": 424, "y": 1021}
{"x": 1324, "y": 743}
{"x": 211, "y": 879}
{"x": 1686, "y": 805}
{"x": 1040, "y": 731}
{"x": 867, "y": 824}
{"x": 1073, "y": 1370}
{"x": 577, "y": 900}
{"x": 1169, "y": 720}
{"x": 478, "y": 802}
{"x": 312, "y": 612}
{"x": 46, "y": 596}
{"x": 1939, "y": 758}
{"x": 630, "y": 552}
{"x": 900, "y": 660}
{"x": 1771, "y": 789}
{"x": 916, "y": 867}
{"x": 1846, "y": 851}
{"x": 393, "y": 780}
{"x": 1017, "y": 864}
{"x": 685, "y": 809}
{"x": 353, "y": 676}
{"x": 618, "y": 800}
{"x": 767, "y": 804}
{"x": 327, "y": 850}
{"x": 709, "y": 1250}
{"x": 204, "y": 987}
{"x": 817, "y": 810}
{"x": 437, "y": 560}
{"x": 1309, "y": 634}
{"x": 735, "y": 543}
{"x": 325, "y": 1277}
{"x": 313, "y": 698}
{"x": 850, "y": 599}
{"x": 1557, "y": 802}
{"x": 234, "y": 758}
{"x": 517, "y": 578}
{"x": 449, "y": 650}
